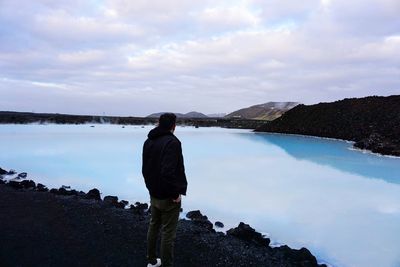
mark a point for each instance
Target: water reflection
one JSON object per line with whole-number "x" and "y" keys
{"x": 336, "y": 154}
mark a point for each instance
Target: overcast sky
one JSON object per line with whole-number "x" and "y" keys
{"x": 135, "y": 57}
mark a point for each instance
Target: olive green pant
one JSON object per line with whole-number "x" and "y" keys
{"x": 164, "y": 216}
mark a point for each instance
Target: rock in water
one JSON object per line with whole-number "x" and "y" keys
{"x": 219, "y": 224}
{"x": 247, "y": 233}
{"x": 93, "y": 194}
{"x": 11, "y": 172}
{"x": 22, "y": 175}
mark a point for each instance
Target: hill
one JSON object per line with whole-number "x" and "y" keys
{"x": 266, "y": 111}
{"x": 373, "y": 122}
{"x": 192, "y": 114}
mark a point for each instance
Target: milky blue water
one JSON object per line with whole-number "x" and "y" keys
{"x": 343, "y": 205}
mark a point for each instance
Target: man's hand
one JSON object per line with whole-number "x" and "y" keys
{"x": 177, "y": 200}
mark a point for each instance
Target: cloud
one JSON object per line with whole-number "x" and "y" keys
{"x": 137, "y": 57}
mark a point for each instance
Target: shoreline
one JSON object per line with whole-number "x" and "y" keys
{"x": 248, "y": 245}
{"x": 353, "y": 148}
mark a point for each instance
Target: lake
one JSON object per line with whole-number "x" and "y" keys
{"x": 342, "y": 204}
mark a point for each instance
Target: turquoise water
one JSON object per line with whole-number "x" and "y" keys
{"x": 343, "y": 205}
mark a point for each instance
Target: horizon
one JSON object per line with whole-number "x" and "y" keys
{"x": 123, "y": 58}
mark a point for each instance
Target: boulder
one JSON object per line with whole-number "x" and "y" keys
{"x": 41, "y": 188}
{"x": 3, "y": 172}
{"x": 113, "y": 201}
{"x": 219, "y": 224}
{"x": 28, "y": 184}
{"x": 93, "y": 194}
{"x": 200, "y": 219}
{"x": 247, "y": 233}
{"x": 11, "y": 172}
{"x": 54, "y": 191}
{"x": 22, "y": 175}
{"x": 123, "y": 203}
{"x": 110, "y": 199}
{"x": 140, "y": 208}
{"x": 64, "y": 192}
{"x": 299, "y": 257}
{"x": 196, "y": 215}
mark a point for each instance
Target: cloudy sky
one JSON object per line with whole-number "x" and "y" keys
{"x": 135, "y": 57}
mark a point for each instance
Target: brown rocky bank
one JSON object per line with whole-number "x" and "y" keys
{"x": 64, "y": 227}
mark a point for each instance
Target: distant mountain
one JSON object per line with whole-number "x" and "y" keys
{"x": 373, "y": 122}
{"x": 216, "y": 115}
{"x": 267, "y": 111}
{"x": 189, "y": 115}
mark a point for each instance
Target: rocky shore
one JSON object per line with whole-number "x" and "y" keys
{"x": 372, "y": 123}
{"x": 66, "y": 227}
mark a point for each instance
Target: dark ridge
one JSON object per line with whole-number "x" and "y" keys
{"x": 373, "y": 123}
{"x": 10, "y": 117}
{"x": 66, "y": 227}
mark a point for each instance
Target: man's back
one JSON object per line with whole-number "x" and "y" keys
{"x": 163, "y": 167}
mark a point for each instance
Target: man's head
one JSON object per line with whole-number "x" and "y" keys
{"x": 167, "y": 121}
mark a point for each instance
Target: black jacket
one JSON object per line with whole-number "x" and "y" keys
{"x": 163, "y": 169}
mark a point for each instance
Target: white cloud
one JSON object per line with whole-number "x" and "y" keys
{"x": 137, "y": 57}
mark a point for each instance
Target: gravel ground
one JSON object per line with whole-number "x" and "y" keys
{"x": 46, "y": 229}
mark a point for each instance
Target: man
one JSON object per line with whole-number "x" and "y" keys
{"x": 164, "y": 174}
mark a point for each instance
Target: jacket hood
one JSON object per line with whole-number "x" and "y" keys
{"x": 157, "y": 132}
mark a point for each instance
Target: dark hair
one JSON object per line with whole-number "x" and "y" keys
{"x": 167, "y": 121}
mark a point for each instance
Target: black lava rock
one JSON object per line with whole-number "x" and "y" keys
{"x": 110, "y": 200}
{"x": 3, "y": 172}
{"x": 113, "y": 201}
{"x": 219, "y": 224}
{"x": 28, "y": 184}
{"x": 372, "y": 122}
{"x": 93, "y": 194}
{"x": 41, "y": 188}
{"x": 140, "y": 208}
{"x": 196, "y": 215}
{"x": 247, "y": 233}
{"x": 302, "y": 257}
{"x": 22, "y": 175}
{"x": 64, "y": 192}
{"x": 54, "y": 191}
{"x": 123, "y": 203}
{"x": 15, "y": 184}
{"x": 200, "y": 219}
